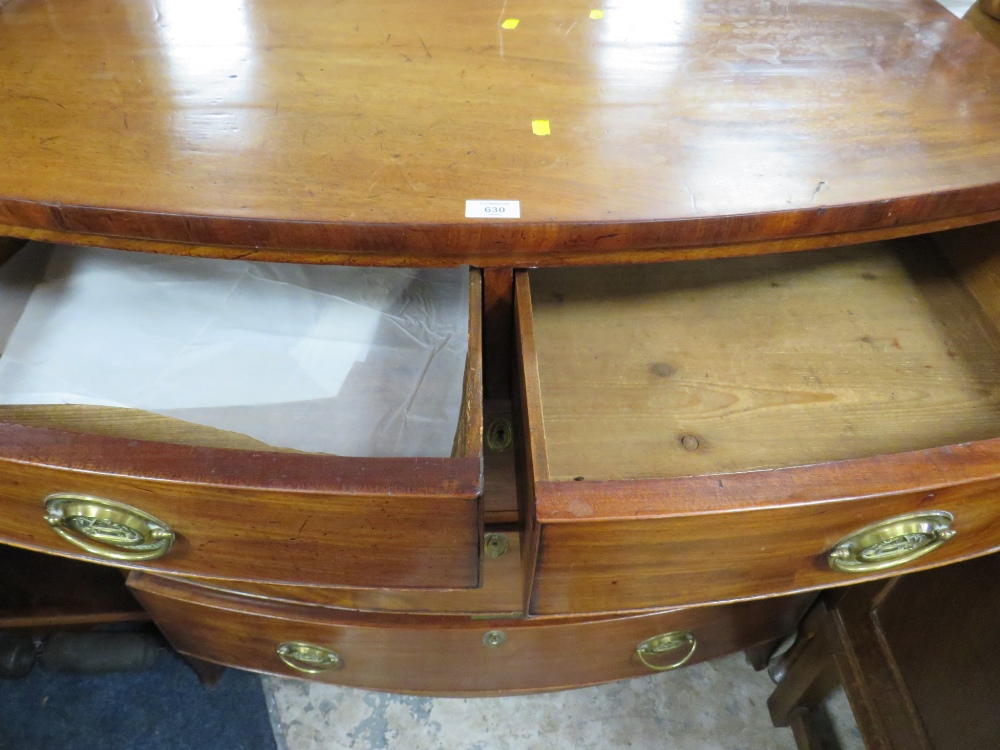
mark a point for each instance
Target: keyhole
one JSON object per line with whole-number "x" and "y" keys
{"x": 500, "y": 435}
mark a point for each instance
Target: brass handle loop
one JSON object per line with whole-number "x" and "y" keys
{"x": 651, "y": 648}
{"x": 108, "y": 529}
{"x": 892, "y": 542}
{"x": 308, "y": 658}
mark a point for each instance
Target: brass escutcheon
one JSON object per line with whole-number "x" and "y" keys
{"x": 495, "y": 638}
{"x": 106, "y": 528}
{"x": 496, "y": 545}
{"x": 651, "y": 648}
{"x": 892, "y": 542}
{"x": 307, "y": 657}
{"x": 500, "y": 435}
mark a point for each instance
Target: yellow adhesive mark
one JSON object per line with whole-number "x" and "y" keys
{"x": 597, "y": 15}
{"x": 510, "y": 23}
{"x": 541, "y": 127}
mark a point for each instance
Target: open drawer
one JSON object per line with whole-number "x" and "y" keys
{"x": 148, "y": 491}
{"x": 727, "y": 429}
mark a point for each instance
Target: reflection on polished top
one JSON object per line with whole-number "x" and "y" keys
{"x": 364, "y": 127}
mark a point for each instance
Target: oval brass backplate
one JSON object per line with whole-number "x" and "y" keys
{"x": 308, "y": 657}
{"x": 894, "y": 541}
{"x": 107, "y": 528}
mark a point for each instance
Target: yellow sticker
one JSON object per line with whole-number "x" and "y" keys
{"x": 510, "y": 23}
{"x": 541, "y": 127}
{"x": 597, "y": 15}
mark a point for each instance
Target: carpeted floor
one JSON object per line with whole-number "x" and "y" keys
{"x": 163, "y": 708}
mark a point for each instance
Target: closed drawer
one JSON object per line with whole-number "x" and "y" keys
{"x": 730, "y": 429}
{"x": 151, "y": 492}
{"x": 450, "y": 655}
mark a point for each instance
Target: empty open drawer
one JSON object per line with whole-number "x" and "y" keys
{"x": 177, "y": 492}
{"x": 738, "y": 428}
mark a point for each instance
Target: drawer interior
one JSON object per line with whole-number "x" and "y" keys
{"x": 731, "y": 365}
{"x": 372, "y": 380}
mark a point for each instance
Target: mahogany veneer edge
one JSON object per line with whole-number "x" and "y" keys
{"x": 511, "y": 245}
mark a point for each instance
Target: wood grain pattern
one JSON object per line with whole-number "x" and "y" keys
{"x": 357, "y": 131}
{"x": 469, "y": 433}
{"x": 710, "y": 434}
{"x": 973, "y": 253}
{"x": 500, "y": 480}
{"x": 740, "y": 364}
{"x": 501, "y": 592}
{"x": 135, "y": 424}
{"x": 530, "y": 449}
{"x": 731, "y": 537}
{"x": 259, "y": 516}
{"x": 446, "y": 655}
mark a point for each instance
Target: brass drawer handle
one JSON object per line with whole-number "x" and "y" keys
{"x": 892, "y": 542}
{"x": 305, "y": 657}
{"x": 651, "y": 648}
{"x": 108, "y": 529}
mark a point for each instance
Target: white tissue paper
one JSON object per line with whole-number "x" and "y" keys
{"x": 328, "y": 359}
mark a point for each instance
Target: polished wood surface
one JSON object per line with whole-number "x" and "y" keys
{"x": 446, "y": 655}
{"x": 259, "y": 516}
{"x": 500, "y": 594}
{"x": 738, "y": 364}
{"x": 357, "y": 131}
{"x": 594, "y": 564}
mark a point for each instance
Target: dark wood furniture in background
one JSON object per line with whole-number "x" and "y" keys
{"x": 654, "y": 465}
{"x": 918, "y": 656}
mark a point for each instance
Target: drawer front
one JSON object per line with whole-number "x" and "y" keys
{"x": 588, "y": 564}
{"x": 453, "y": 655}
{"x": 251, "y": 516}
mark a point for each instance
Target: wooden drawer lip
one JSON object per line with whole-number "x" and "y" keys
{"x": 911, "y": 473}
{"x": 237, "y": 469}
{"x": 446, "y": 655}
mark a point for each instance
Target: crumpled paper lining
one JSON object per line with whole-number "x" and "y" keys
{"x": 328, "y": 359}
